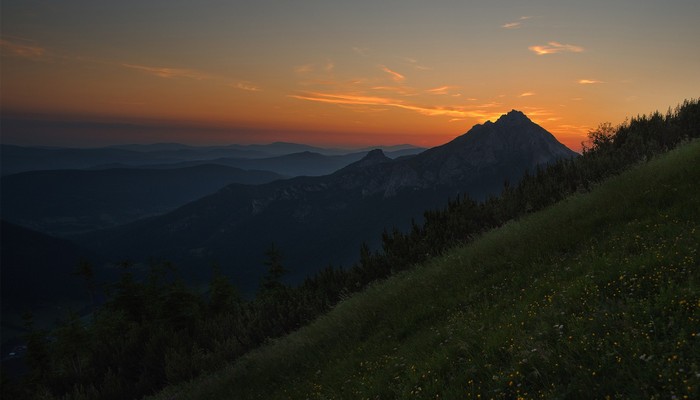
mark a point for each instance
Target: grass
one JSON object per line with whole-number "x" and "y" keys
{"x": 595, "y": 297}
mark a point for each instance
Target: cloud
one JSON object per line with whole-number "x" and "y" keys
{"x": 165, "y": 72}
{"x": 515, "y": 24}
{"x": 442, "y": 90}
{"x": 511, "y": 25}
{"x": 354, "y": 99}
{"x": 527, "y": 94}
{"x": 414, "y": 63}
{"x": 361, "y": 51}
{"x": 554, "y": 48}
{"x": 402, "y": 90}
{"x": 303, "y": 69}
{"x": 589, "y": 81}
{"x": 244, "y": 85}
{"x": 22, "y": 48}
{"x": 397, "y": 77}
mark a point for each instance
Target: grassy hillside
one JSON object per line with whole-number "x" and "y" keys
{"x": 595, "y": 297}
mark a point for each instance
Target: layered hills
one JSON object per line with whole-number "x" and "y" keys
{"x": 317, "y": 220}
{"x": 62, "y": 202}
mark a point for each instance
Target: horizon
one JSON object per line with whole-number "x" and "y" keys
{"x": 334, "y": 146}
{"x": 335, "y": 75}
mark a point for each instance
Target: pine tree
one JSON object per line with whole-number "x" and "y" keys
{"x": 275, "y": 270}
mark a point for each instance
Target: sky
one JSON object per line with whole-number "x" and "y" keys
{"x": 335, "y": 73}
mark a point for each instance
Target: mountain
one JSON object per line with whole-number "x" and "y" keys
{"x": 296, "y": 164}
{"x": 17, "y": 159}
{"x": 60, "y": 202}
{"x": 316, "y": 220}
{"x": 593, "y": 297}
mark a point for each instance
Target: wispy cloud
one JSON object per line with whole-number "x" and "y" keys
{"x": 554, "y": 48}
{"x": 397, "y": 77}
{"x": 22, "y": 48}
{"x": 304, "y": 69}
{"x": 402, "y": 90}
{"x": 442, "y": 90}
{"x": 527, "y": 94}
{"x": 355, "y": 99}
{"x": 416, "y": 65}
{"x": 589, "y": 81}
{"x": 165, "y": 72}
{"x": 511, "y": 25}
{"x": 515, "y": 24}
{"x": 361, "y": 51}
{"x": 326, "y": 67}
{"x": 247, "y": 86}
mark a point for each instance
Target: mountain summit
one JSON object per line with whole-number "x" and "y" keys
{"x": 317, "y": 220}
{"x": 505, "y": 149}
{"x": 373, "y": 157}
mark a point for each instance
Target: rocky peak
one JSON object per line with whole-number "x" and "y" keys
{"x": 373, "y": 157}
{"x": 514, "y": 117}
{"x": 376, "y": 155}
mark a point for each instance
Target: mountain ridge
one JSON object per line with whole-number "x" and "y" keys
{"x": 316, "y": 220}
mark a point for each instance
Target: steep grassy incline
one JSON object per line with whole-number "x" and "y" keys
{"x": 597, "y": 296}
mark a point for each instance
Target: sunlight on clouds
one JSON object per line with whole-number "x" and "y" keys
{"x": 511, "y": 25}
{"x": 397, "y": 77}
{"x": 554, "y": 48}
{"x": 353, "y": 99}
{"x": 515, "y": 24}
{"x": 442, "y": 90}
{"x": 589, "y": 81}
{"x": 402, "y": 90}
{"x": 526, "y": 94}
{"x": 243, "y": 85}
{"x": 164, "y": 72}
{"x": 344, "y": 99}
{"x": 303, "y": 69}
{"x": 416, "y": 65}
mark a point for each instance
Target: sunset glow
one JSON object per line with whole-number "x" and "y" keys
{"x": 335, "y": 73}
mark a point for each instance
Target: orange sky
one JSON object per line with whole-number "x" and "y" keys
{"x": 329, "y": 73}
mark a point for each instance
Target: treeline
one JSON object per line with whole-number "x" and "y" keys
{"x": 157, "y": 331}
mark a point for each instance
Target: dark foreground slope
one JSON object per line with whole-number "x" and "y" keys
{"x": 596, "y": 296}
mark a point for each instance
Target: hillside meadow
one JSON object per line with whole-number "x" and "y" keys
{"x": 594, "y": 297}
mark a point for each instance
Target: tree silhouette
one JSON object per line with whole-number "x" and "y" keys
{"x": 275, "y": 270}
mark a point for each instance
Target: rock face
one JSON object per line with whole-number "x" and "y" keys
{"x": 317, "y": 220}
{"x": 503, "y": 149}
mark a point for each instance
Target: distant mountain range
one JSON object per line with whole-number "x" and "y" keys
{"x": 15, "y": 159}
{"x": 317, "y": 220}
{"x": 304, "y": 163}
{"x": 144, "y": 180}
{"x": 62, "y": 202}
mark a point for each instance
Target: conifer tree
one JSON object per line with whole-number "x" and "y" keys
{"x": 275, "y": 270}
